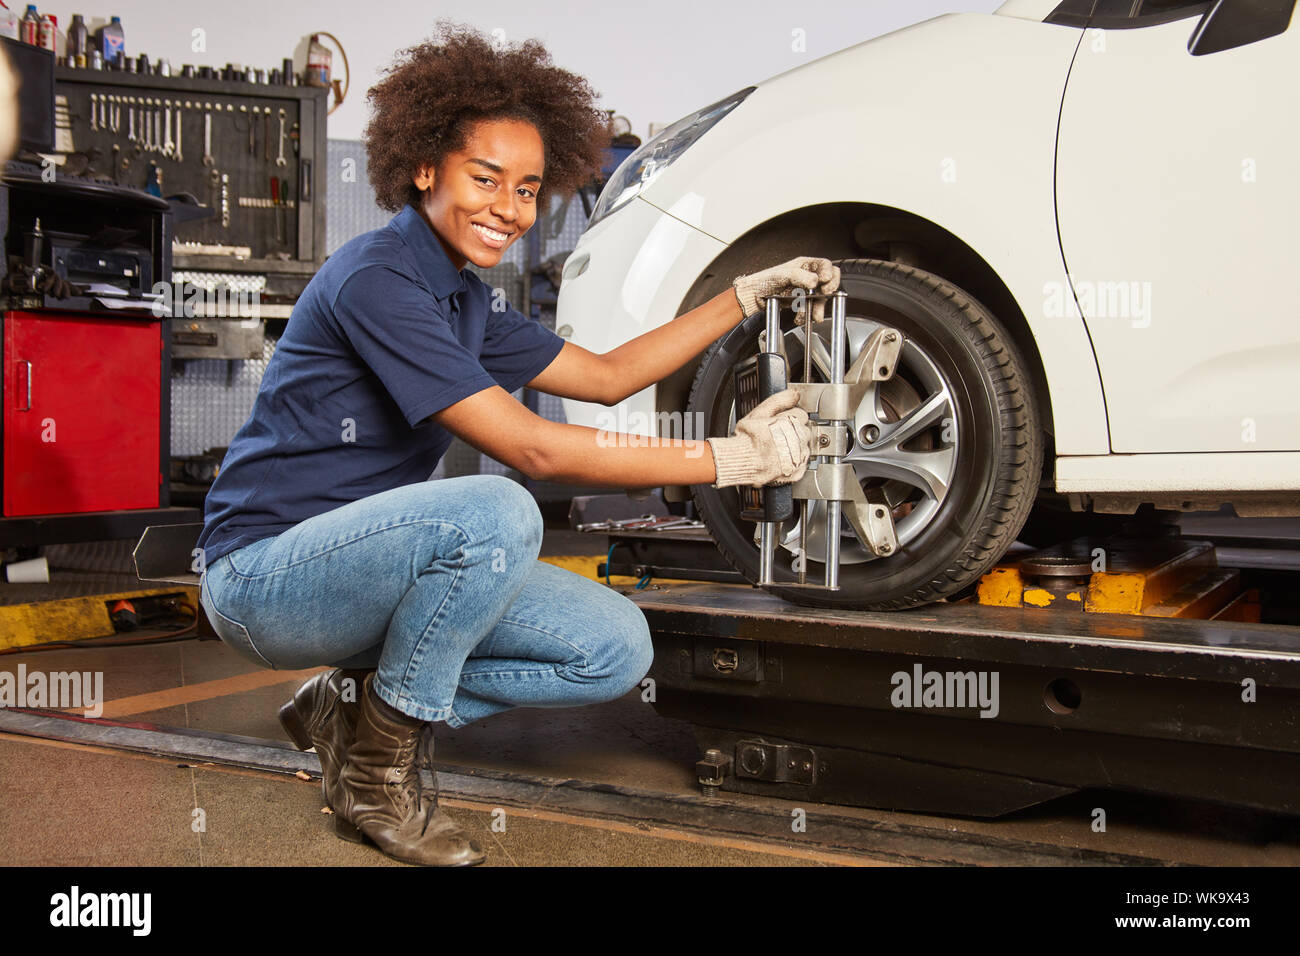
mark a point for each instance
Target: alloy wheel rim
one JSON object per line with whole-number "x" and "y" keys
{"x": 905, "y": 443}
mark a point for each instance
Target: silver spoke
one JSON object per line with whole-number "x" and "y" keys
{"x": 930, "y": 412}
{"x": 928, "y": 470}
{"x": 820, "y": 355}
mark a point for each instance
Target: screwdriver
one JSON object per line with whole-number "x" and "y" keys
{"x": 284, "y": 205}
{"x": 275, "y": 203}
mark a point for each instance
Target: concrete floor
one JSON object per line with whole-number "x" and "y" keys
{"x": 75, "y": 804}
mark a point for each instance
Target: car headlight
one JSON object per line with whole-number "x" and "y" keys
{"x": 639, "y": 170}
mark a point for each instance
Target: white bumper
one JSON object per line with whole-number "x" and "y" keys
{"x": 640, "y": 264}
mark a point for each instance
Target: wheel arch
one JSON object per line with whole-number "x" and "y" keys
{"x": 863, "y": 230}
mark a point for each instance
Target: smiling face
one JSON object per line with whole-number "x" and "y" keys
{"x": 482, "y": 198}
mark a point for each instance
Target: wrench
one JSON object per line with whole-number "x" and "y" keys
{"x": 280, "y": 160}
{"x": 130, "y": 124}
{"x": 214, "y": 180}
{"x": 179, "y": 126}
{"x": 137, "y": 122}
{"x": 94, "y": 112}
{"x": 169, "y": 147}
{"x": 275, "y": 204}
{"x": 207, "y": 136}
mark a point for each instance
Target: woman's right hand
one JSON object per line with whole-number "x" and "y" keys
{"x": 771, "y": 445}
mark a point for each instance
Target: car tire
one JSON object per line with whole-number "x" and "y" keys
{"x": 990, "y": 445}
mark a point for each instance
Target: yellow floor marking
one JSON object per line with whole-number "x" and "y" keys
{"x": 172, "y": 697}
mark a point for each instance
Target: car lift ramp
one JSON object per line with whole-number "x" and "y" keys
{"x": 882, "y": 709}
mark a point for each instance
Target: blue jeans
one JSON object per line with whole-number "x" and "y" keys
{"x": 438, "y": 586}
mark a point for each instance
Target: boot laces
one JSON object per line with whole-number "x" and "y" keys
{"x": 415, "y": 755}
{"x": 426, "y": 802}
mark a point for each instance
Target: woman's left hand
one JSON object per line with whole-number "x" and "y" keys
{"x": 806, "y": 272}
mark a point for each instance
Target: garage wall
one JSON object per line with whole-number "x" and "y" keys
{"x": 651, "y": 62}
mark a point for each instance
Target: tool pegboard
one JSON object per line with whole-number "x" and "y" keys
{"x": 251, "y": 154}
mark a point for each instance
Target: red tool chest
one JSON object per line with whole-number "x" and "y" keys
{"x": 82, "y": 416}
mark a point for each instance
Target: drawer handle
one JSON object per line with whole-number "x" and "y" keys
{"x": 29, "y": 387}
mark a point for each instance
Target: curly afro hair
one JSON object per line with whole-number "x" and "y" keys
{"x": 433, "y": 94}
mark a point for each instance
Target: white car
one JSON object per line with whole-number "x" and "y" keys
{"x": 1079, "y": 218}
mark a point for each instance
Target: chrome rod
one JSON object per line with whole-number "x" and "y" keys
{"x": 832, "y": 544}
{"x": 803, "y": 541}
{"x": 805, "y": 509}
{"x": 766, "y": 552}
{"x": 807, "y": 345}
{"x": 773, "y": 325}
{"x": 839, "y": 345}
{"x": 767, "y": 529}
{"x": 838, "y": 301}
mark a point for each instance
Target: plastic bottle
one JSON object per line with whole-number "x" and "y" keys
{"x": 79, "y": 40}
{"x": 319, "y": 61}
{"x": 8, "y": 22}
{"x": 49, "y": 34}
{"x": 31, "y": 26}
{"x": 111, "y": 41}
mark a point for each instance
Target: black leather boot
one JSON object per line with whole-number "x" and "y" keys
{"x": 319, "y": 716}
{"x": 381, "y": 798}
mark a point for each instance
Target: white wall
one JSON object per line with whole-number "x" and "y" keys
{"x": 651, "y": 61}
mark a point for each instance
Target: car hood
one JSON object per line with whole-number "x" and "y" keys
{"x": 1037, "y": 10}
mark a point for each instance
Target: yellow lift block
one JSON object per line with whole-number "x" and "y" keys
{"x": 1159, "y": 577}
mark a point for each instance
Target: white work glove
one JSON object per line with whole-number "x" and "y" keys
{"x": 770, "y": 446}
{"x": 805, "y": 272}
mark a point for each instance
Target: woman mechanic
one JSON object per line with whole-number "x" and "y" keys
{"x": 326, "y": 544}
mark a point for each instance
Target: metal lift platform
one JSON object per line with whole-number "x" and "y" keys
{"x": 867, "y": 709}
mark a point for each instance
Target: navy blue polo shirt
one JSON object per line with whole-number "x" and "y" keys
{"x": 387, "y": 333}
